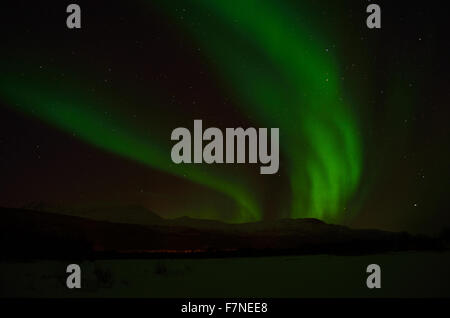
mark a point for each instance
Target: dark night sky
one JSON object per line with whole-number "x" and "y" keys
{"x": 86, "y": 115}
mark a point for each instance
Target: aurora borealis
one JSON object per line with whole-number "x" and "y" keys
{"x": 320, "y": 132}
{"x": 102, "y": 102}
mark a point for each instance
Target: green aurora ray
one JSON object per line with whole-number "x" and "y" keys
{"x": 279, "y": 68}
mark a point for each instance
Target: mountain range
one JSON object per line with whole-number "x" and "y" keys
{"x": 115, "y": 232}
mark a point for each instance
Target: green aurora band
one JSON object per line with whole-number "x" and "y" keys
{"x": 279, "y": 68}
{"x": 83, "y": 117}
{"x": 283, "y": 78}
